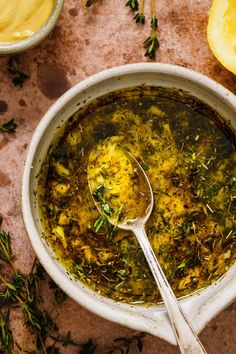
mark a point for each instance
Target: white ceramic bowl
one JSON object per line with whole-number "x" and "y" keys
{"x": 21, "y": 46}
{"x": 200, "y": 307}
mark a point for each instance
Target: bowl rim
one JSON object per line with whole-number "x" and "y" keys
{"x": 103, "y": 309}
{"x": 37, "y": 37}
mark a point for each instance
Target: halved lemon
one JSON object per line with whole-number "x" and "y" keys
{"x": 221, "y": 32}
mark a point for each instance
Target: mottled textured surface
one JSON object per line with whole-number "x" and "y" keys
{"x": 78, "y": 47}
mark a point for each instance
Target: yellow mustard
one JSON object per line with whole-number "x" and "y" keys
{"x": 20, "y": 19}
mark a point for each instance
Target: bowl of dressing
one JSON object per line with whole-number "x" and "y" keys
{"x": 24, "y": 24}
{"x": 180, "y": 125}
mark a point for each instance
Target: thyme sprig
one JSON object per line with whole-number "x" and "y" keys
{"x": 152, "y": 42}
{"x": 18, "y": 76}
{"x": 133, "y": 4}
{"x": 140, "y": 17}
{"x": 23, "y": 292}
{"x": 9, "y": 127}
{"x": 6, "y": 338}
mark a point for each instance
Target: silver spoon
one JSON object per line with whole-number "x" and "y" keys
{"x": 187, "y": 339}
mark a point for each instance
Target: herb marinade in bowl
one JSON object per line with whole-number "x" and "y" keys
{"x": 180, "y": 126}
{"x": 190, "y": 161}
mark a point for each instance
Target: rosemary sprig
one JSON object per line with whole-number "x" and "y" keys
{"x": 18, "y": 76}
{"x": 9, "y": 127}
{"x": 152, "y": 43}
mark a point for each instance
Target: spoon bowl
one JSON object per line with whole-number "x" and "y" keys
{"x": 148, "y": 197}
{"x": 145, "y": 189}
{"x": 186, "y": 338}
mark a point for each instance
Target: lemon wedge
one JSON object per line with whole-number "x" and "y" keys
{"x": 221, "y": 32}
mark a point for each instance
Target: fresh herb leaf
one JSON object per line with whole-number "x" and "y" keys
{"x": 9, "y": 127}
{"x": 144, "y": 166}
{"x": 99, "y": 223}
{"x": 133, "y": 4}
{"x": 125, "y": 343}
{"x": 98, "y": 194}
{"x": 89, "y": 3}
{"x": 88, "y": 348}
{"x": 61, "y": 152}
{"x": 6, "y": 338}
{"x": 139, "y": 18}
{"x": 19, "y": 77}
{"x": 59, "y": 295}
{"x": 154, "y": 22}
{"x": 65, "y": 341}
{"x": 5, "y": 246}
{"x": 140, "y": 344}
{"x": 152, "y": 44}
{"x": 107, "y": 209}
{"x": 13, "y": 289}
{"x": 52, "y": 349}
{"x": 212, "y": 190}
{"x": 186, "y": 228}
{"x": 179, "y": 272}
{"x": 104, "y": 173}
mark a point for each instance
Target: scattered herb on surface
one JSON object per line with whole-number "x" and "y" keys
{"x": 152, "y": 42}
{"x": 19, "y": 77}
{"x": 133, "y": 4}
{"x": 59, "y": 295}
{"x": 6, "y": 338}
{"x": 89, "y": 3}
{"x": 24, "y": 292}
{"x": 140, "y": 17}
{"x": 9, "y": 127}
{"x": 88, "y": 348}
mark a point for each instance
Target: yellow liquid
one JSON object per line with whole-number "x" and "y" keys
{"x": 191, "y": 165}
{"x": 20, "y": 19}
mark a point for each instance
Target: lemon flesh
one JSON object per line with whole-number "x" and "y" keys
{"x": 221, "y": 32}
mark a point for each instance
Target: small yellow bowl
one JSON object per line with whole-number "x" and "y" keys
{"x": 37, "y": 37}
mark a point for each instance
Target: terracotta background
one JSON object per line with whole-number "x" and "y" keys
{"x": 79, "y": 46}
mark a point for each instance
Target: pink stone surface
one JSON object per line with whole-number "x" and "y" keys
{"x": 81, "y": 45}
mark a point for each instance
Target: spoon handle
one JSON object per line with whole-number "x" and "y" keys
{"x": 187, "y": 339}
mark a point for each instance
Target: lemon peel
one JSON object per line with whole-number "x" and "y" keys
{"x": 221, "y": 32}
